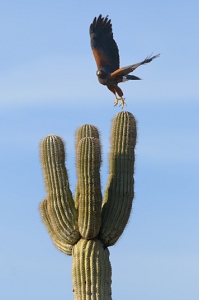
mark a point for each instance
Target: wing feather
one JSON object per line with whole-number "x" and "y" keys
{"x": 126, "y": 70}
{"x": 103, "y": 45}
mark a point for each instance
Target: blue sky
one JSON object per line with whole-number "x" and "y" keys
{"x": 48, "y": 85}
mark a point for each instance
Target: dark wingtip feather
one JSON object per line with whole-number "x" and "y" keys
{"x": 104, "y": 47}
{"x": 100, "y": 22}
{"x": 149, "y": 58}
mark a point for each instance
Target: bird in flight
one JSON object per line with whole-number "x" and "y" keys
{"x": 106, "y": 53}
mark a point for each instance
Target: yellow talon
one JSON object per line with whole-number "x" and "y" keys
{"x": 122, "y": 101}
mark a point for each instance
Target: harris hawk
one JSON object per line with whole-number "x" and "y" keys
{"x": 106, "y": 55}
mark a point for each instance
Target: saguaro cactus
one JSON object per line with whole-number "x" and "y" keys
{"x": 86, "y": 226}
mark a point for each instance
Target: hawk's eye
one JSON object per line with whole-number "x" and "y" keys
{"x": 98, "y": 72}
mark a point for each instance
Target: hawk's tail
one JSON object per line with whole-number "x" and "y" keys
{"x": 132, "y": 77}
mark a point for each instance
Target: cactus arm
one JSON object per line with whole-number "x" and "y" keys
{"x": 61, "y": 207}
{"x": 90, "y": 198}
{"x": 58, "y": 240}
{"x": 119, "y": 192}
{"x": 86, "y": 130}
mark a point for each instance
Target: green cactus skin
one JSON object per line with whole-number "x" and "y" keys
{"x": 86, "y": 130}
{"x": 91, "y": 258}
{"x": 58, "y": 240}
{"x": 85, "y": 226}
{"x": 60, "y": 212}
{"x": 90, "y": 198}
{"x": 120, "y": 188}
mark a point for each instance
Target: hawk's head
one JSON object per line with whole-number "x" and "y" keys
{"x": 101, "y": 74}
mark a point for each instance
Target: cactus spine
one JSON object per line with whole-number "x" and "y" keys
{"x": 85, "y": 226}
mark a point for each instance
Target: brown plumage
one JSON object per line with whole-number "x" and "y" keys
{"x": 106, "y": 53}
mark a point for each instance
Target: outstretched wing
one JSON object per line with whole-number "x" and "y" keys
{"x": 103, "y": 45}
{"x": 131, "y": 68}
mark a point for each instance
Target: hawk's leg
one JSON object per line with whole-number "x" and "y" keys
{"x": 119, "y": 99}
{"x": 117, "y": 91}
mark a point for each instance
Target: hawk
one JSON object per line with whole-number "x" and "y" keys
{"x": 106, "y": 55}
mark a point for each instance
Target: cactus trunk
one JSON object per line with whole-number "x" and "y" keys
{"x": 91, "y": 271}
